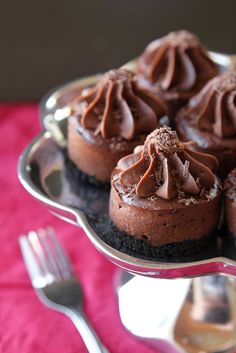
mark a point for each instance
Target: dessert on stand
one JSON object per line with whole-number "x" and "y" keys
{"x": 177, "y": 66}
{"x": 209, "y": 120}
{"x": 166, "y": 194}
{"x": 109, "y": 120}
{"x": 194, "y": 313}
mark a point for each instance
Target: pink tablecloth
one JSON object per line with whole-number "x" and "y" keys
{"x": 25, "y": 324}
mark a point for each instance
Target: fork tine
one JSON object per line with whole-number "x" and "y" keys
{"x": 60, "y": 256}
{"x": 44, "y": 257}
{"x": 37, "y": 273}
{"x": 39, "y": 252}
{"x": 49, "y": 253}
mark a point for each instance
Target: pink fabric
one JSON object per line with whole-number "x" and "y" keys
{"x": 25, "y": 324}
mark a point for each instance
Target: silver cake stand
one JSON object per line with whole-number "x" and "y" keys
{"x": 196, "y": 312}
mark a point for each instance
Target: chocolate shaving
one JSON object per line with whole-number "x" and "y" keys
{"x": 188, "y": 201}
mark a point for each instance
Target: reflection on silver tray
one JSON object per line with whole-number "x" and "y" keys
{"x": 43, "y": 173}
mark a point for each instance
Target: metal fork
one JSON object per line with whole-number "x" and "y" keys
{"x": 54, "y": 282}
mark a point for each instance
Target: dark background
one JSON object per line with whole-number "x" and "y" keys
{"x": 47, "y": 42}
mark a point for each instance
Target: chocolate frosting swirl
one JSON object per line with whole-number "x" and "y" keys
{"x": 166, "y": 167}
{"x": 119, "y": 106}
{"x": 214, "y": 108}
{"x": 176, "y": 62}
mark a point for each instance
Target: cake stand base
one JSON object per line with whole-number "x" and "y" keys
{"x": 183, "y": 315}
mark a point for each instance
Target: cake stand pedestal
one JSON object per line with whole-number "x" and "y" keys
{"x": 184, "y": 315}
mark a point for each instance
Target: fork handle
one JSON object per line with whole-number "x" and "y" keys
{"x": 89, "y": 336}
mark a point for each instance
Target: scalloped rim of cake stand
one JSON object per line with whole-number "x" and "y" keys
{"x": 216, "y": 265}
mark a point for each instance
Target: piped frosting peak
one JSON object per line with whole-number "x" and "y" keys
{"x": 177, "y": 61}
{"x": 117, "y": 106}
{"x": 214, "y": 107}
{"x": 166, "y": 167}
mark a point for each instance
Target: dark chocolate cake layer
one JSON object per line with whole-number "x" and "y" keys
{"x": 185, "y": 251}
{"x": 74, "y": 174}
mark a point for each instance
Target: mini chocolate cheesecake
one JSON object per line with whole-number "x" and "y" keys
{"x": 178, "y": 66}
{"x": 230, "y": 203}
{"x": 166, "y": 193}
{"x": 109, "y": 120}
{"x": 210, "y": 121}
